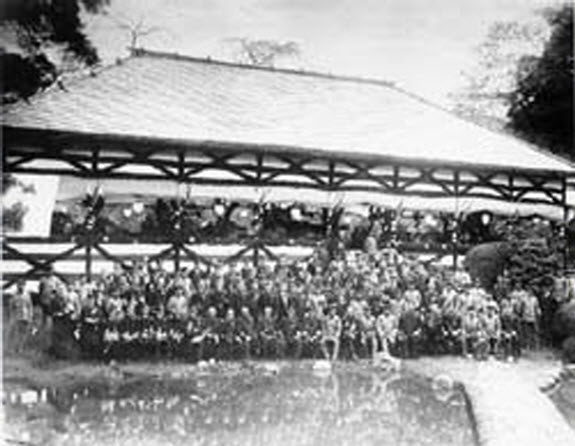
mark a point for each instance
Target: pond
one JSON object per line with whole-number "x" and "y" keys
{"x": 243, "y": 404}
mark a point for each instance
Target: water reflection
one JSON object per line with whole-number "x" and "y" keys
{"x": 353, "y": 405}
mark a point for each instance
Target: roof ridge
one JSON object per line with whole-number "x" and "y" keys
{"x": 139, "y": 52}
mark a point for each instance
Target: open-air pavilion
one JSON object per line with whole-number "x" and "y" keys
{"x": 160, "y": 120}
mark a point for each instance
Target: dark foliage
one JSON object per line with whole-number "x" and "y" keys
{"x": 13, "y": 217}
{"x": 8, "y": 182}
{"x": 37, "y": 23}
{"x": 537, "y": 254}
{"x": 542, "y": 106}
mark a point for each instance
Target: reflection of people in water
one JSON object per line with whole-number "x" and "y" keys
{"x": 331, "y": 390}
{"x": 443, "y": 388}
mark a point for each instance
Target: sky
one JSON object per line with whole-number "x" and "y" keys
{"x": 422, "y": 45}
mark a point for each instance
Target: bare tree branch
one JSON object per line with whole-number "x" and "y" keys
{"x": 262, "y": 52}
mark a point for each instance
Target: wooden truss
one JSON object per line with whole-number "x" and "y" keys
{"x": 114, "y": 157}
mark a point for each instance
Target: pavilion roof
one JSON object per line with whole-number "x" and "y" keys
{"x": 171, "y": 97}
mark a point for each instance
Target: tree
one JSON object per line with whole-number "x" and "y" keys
{"x": 507, "y": 50}
{"x": 13, "y": 213}
{"x": 13, "y": 217}
{"x": 262, "y": 53}
{"x": 542, "y": 104}
{"x": 38, "y": 27}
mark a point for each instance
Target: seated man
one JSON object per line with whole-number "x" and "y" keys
{"x": 308, "y": 335}
{"x": 111, "y": 341}
{"x": 210, "y": 336}
{"x": 271, "y": 339}
{"x": 247, "y": 332}
{"x": 350, "y": 340}
{"x": 160, "y": 338}
{"x": 230, "y": 347}
{"x": 331, "y": 332}
{"x": 433, "y": 334}
{"x": 289, "y": 328}
{"x": 451, "y": 333}
{"x": 410, "y": 332}
{"x": 193, "y": 335}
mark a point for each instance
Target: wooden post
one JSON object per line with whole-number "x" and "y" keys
{"x": 89, "y": 258}
{"x": 565, "y": 222}
{"x": 256, "y": 255}
{"x": 88, "y": 239}
{"x": 454, "y": 236}
{"x": 454, "y": 240}
{"x": 177, "y": 235}
{"x": 258, "y": 235}
{"x": 177, "y": 256}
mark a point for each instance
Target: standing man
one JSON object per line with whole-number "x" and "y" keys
{"x": 21, "y": 312}
{"x": 511, "y": 347}
{"x": 386, "y": 327}
{"x": 331, "y": 332}
{"x": 470, "y": 331}
{"x": 530, "y": 314}
{"x": 492, "y": 326}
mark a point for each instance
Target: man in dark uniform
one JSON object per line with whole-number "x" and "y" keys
{"x": 308, "y": 335}
{"x": 289, "y": 328}
{"x": 193, "y": 335}
{"x": 410, "y": 332}
{"x": 48, "y": 294}
{"x": 272, "y": 340}
{"x": 231, "y": 342}
{"x": 451, "y": 334}
{"x": 210, "y": 335}
{"x": 510, "y": 329}
{"x": 92, "y": 327}
{"x": 350, "y": 341}
{"x": 247, "y": 332}
{"x": 331, "y": 334}
{"x": 433, "y": 336}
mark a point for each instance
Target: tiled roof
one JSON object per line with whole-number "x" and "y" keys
{"x": 172, "y": 97}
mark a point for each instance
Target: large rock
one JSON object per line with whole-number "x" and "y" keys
{"x": 486, "y": 261}
{"x": 568, "y": 350}
{"x": 564, "y": 321}
{"x": 64, "y": 344}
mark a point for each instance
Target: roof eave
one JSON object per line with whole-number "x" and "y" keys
{"x": 12, "y": 134}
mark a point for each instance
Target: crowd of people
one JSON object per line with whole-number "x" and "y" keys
{"x": 356, "y": 306}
